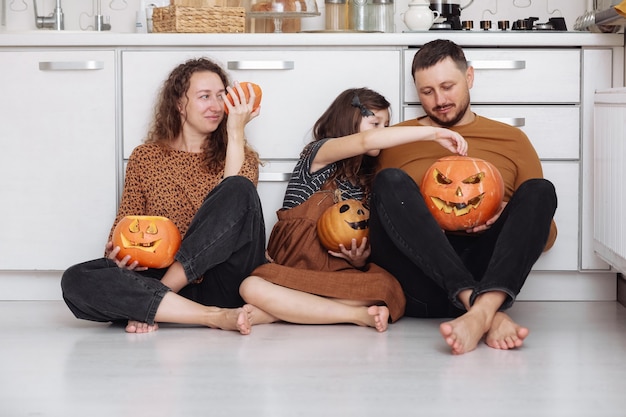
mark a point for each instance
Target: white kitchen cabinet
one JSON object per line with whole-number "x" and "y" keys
{"x": 298, "y": 86}
{"x": 57, "y": 157}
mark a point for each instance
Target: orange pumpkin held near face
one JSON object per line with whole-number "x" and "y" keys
{"x": 244, "y": 85}
{"x": 342, "y": 222}
{"x": 462, "y": 192}
{"x": 152, "y": 241}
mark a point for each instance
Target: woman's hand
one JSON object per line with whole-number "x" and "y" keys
{"x": 450, "y": 140}
{"x": 356, "y": 255}
{"x": 111, "y": 253}
{"x": 242, "y": 110}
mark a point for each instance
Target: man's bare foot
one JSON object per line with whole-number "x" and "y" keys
{"x": 135, "y": 326}
{"x": 379, "y": 317}
{"x": 463, "y": 333}
{"x": 504, "y": 333}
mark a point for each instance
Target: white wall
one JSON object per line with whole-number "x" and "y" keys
{"x": 79, "y": 13}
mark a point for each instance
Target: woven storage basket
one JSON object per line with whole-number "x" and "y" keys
{"x": 179, "y": 19}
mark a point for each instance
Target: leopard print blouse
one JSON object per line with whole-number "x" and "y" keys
{"x": 170, "y": 183}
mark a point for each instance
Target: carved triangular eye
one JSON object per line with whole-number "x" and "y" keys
{"x": 152, "y": 229}
{"x": 442, "y": 179}
{"x": 134, "y": 226}
{"x": 474, "y": 179}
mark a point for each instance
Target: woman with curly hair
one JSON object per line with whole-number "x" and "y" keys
{"x": 196, "y": 169}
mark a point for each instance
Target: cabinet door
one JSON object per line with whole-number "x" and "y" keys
{"x": 57, "y": 157}
{"x": 563, "y": 256}
{"x": 297, "y": 87}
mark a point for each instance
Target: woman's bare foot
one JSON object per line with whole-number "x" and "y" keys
{"x": 379, "y": 316}
{"x": 504, "y": 333}
{"x": 135, "y": 326}
{"x": 463, "y": 333}
{"x": 230, "y": 319}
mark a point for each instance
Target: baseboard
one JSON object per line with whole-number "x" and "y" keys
{"x": 540, "y": 286}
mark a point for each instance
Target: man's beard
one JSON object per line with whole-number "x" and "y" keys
{"x": 452, "y": 122}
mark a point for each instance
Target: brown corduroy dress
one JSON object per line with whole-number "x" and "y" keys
{"x": 300, "y": 262}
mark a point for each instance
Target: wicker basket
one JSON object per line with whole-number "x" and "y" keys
{"x": 179, "y": 19}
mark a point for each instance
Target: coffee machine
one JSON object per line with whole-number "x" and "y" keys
{"x": 449, "y": 14}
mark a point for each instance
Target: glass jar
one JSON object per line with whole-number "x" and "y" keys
{"x": 358, "y": 14}
{"x": 382, "y": 15}
{"x": 335, "y": 14}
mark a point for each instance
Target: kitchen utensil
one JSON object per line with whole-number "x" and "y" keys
{"x": 419, "y": 16}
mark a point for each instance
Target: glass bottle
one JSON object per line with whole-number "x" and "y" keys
{"x": 382, "y": 15}
{"x": 335, "y": 14}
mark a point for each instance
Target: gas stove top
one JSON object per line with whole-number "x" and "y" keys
{"x": 530, "y": 23}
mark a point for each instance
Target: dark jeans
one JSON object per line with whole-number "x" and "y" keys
{"x": 224, "y": 243}
{"x": 434, "y": 267}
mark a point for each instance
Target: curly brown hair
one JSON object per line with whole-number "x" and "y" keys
{"x": 342, "y": 118}
{"x": 167, "y": 121}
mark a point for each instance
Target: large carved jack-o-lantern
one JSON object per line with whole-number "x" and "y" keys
{"x": 342, "y": 222}
{"x": 152, "y": 241}
{"x": 462, "y": 192}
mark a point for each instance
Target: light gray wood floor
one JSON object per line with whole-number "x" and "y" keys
{"x": 51, "y": 364}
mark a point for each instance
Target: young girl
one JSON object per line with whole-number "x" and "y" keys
{"x": 305, "y": 283}
{"x": 197, "y": 169}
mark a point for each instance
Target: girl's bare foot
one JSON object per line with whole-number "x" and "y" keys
{"x": 504, "y": 333}
{"x": 135, "y": 326}
{"x": 463, "y": 333}
{"x": 258, "y": 316}
{"x": 379, "y": 317}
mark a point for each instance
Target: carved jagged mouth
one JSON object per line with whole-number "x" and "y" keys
{"x": 145, "y": 246}
{"x": 459, "y": 209}
{"x": 362, "y": 225}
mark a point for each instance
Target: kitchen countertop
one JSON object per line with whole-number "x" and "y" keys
{"x": 48, "y": 38}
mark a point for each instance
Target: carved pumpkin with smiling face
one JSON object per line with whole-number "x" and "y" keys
{"x": 152, "y": 241}
{"x": 462, "y": 192}
{"x": 342, "y": 222}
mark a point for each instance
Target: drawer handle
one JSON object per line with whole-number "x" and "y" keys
{"x": 504, "y": 65}
{"x": 71, "y": 65}
{"x": 513, "y": 121}
{"x": 274, "y": 176}
{"x": 261, "y": 65}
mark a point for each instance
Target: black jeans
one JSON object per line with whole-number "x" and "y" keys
{"x": 224, "y": 243}
{"x": 434, "y": 267}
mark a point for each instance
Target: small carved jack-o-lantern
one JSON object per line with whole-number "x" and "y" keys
{"x": 342, "y": 222}
{"x": 462, "y": 192}
{"x": 152, "y": 241}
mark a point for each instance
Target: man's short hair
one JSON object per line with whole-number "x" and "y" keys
{"x": 436, "y": 51}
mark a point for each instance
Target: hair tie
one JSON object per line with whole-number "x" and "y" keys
{"x": 365, "y": 112}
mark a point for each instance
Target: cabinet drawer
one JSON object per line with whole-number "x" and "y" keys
{"x": 553, "y": 130}
{"x": 515, "y": 75}
{"x": 298, "y": 86}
